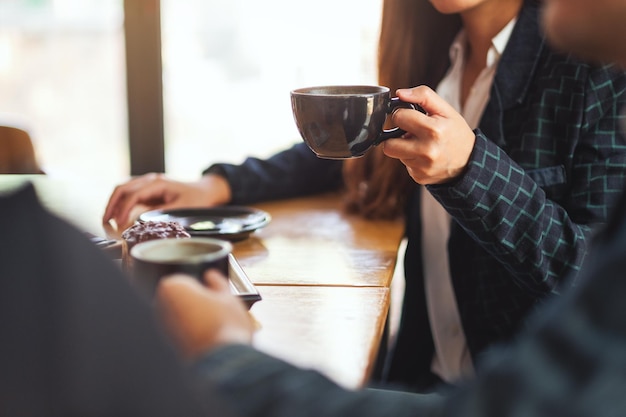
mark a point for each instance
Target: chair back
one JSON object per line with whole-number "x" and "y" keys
{"x": 17, "y": 153}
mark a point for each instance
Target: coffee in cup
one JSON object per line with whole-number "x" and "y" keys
{"x": 154, "y": 259}
{"x": 344, "y": 121}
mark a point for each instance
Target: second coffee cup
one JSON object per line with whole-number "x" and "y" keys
{"x": 344, "y": 121}
{"x": 154, "y": 259}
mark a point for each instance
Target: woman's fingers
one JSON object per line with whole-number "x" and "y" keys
{"x": 437, "y": 145}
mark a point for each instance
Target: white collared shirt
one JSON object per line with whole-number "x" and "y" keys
{"x": 452, "y": 360}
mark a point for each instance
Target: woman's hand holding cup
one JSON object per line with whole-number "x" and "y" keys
{"x": 437, "y": 145}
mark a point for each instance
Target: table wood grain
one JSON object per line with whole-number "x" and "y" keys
{"x": 311, "y": 241}
{"x": 335, "y": 330}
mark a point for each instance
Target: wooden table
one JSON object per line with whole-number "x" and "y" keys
{"x": 324, "y": 276}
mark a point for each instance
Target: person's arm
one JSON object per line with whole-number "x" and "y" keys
{"x": 290, "y": 173}
{"x": 293, "y": 172}
{"x": 538, "y": 222}
{"x": 157, "y": 191}
{"x": 259, "y": 385}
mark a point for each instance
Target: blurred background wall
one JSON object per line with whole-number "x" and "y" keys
{"x": 228, "y": 67}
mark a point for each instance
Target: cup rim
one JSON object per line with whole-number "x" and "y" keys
{"x": 352, "y": 90}
{"x": 137, "y": 252}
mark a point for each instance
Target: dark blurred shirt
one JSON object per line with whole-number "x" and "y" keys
{"x": 75, "y": 338}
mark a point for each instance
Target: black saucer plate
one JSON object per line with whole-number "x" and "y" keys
{"x": 225, "y": 222}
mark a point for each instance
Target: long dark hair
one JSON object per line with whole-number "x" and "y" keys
{"x": 412, "y": 50}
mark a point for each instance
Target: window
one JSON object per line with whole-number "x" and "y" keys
{"x": 228, "y": 67}
{"x": 62, "y": 72}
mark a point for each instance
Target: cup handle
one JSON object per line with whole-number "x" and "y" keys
{"x": 394, "y": 104}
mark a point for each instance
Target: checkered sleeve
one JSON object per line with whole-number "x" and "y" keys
{"x": 505, "y": 208}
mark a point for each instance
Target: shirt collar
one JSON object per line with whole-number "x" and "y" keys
{"x": 498, "y": 43}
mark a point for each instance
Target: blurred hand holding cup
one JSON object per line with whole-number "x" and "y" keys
{"x": 154, "y": 259}
{"x": 344, "y": 121}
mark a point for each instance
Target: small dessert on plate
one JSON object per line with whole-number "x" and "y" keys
{"x": 150, "y": 230}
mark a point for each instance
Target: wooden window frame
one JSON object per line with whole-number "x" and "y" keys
{"x": 144, "y": 83}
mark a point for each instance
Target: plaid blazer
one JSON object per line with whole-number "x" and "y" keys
{"x": 547, "y": 168}
{"x": 545, "y": 171}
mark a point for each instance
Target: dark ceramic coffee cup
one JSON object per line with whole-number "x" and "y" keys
{"x": 154, "y": 259}
{"x": 344, "y": 121}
